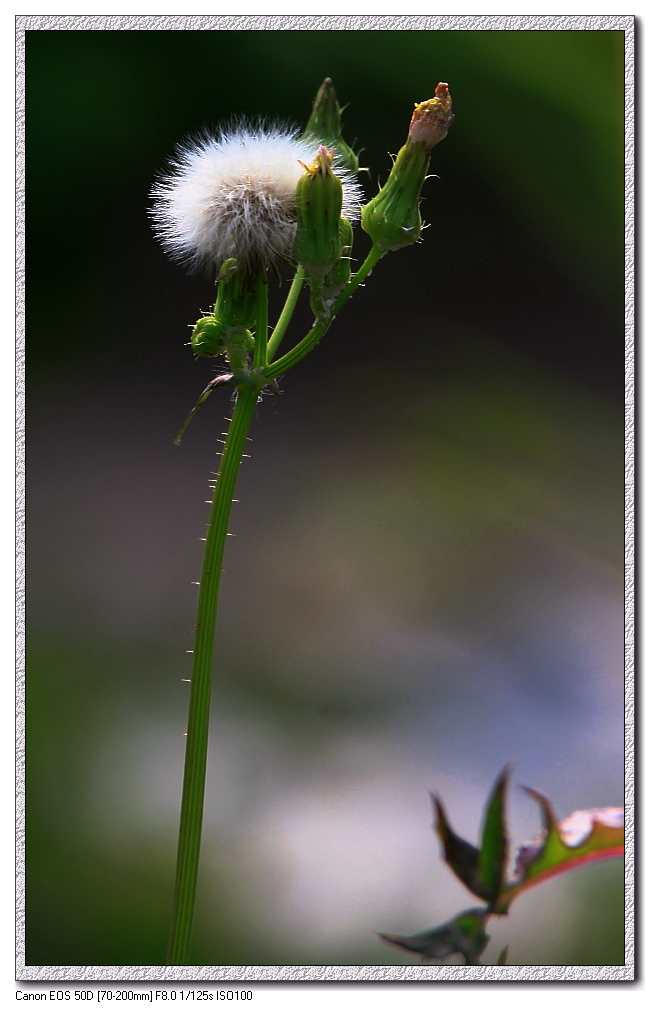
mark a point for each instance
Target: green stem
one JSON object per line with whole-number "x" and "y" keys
{"x": 287, "y": 312}
{"x": 260, "y": 356}
{"x": 196, "y": 748}
{"x": 310, "y": 341}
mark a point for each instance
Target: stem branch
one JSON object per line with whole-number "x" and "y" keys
{"x": 310, "y": 341}
{"x": 260, "y": 355}
{"x": 287, "y": 312}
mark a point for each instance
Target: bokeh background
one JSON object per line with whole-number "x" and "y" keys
{"x": 426, "y": 577}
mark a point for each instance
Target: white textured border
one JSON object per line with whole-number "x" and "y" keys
{"x": 324, "y": 22}
{"x": 20, "y": 496}
{"x": 331, "y": 973}
{"x": 629, "y": 501}
{"x": 324, "y": 974}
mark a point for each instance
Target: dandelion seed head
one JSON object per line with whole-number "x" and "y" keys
{"x": 234, "y": 195}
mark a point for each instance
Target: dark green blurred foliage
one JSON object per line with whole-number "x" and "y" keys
{"x": 426, "y": 578}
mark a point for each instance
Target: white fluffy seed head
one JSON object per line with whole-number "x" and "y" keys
{"x": 234, "y": 195}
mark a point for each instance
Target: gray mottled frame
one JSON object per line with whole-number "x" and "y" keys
{"x": 144, "y": 974}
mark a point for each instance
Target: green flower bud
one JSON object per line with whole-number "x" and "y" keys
{"x": 324, "y": 126}
{"x": 208, "y": 337}
{"x": 319, "y": 198}
{"x": 392, "y": 219}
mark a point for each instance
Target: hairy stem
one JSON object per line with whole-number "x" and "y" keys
{"x": 196, "y": 749}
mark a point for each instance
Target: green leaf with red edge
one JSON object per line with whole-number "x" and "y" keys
{"x": 581, "y": 838}
{"x": 464, "y": 935}
{"x": 480, "y": 870}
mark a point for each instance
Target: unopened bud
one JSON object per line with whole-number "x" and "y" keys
{"x": 432, "y": 119}
{"x": 392, "y": 218}
{"x": 208, "y": 337}
{"x": 324, "y": 126}
{"x": 236, "y": 296}
{"x": 319, "y": 198}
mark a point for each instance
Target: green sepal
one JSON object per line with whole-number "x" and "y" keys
{"x": 341, "y": 272}
{"x": 464, "y": 935}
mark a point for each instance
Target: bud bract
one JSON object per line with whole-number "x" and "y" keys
{"x": 392, "y": 218}
{"x": 339, "y": 275}
{"x": 319, "y": 198}
{"x": 324, "y": 125}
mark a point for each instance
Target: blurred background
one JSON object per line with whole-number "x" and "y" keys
{"x": 426, "y": 577}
